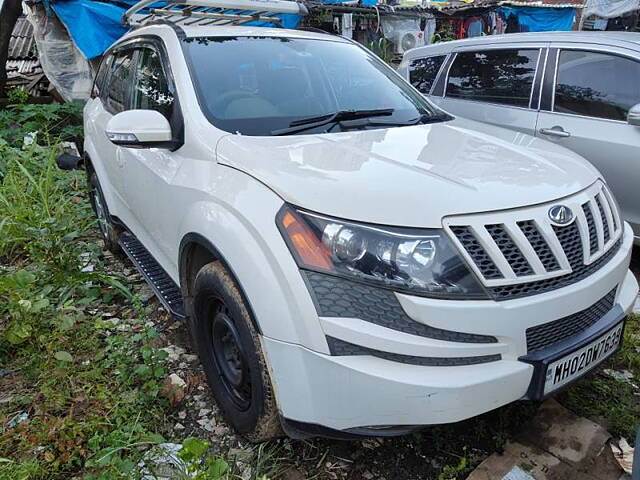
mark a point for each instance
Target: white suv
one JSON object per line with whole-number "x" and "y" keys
{"x": 350, "y": 260}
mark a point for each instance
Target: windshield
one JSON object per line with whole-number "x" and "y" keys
{"x": 263, "y": 85}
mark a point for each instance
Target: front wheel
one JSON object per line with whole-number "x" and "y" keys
{"x": 231, "y": 354}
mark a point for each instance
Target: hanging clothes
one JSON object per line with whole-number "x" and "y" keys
{"x": 513, "y": 26}
{"x": 461, "y": 31}
{"x": 489, "y": 23}
{"x": 474, "y": 27}
{"x": 501, "y": 24}
{"x": 429, "y": 28}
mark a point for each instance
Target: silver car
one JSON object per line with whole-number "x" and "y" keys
{"x": 578, "y": 89}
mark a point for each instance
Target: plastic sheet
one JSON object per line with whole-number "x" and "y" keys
{"x": 392, "y": 26}
{"x": 609, "y": 8}
{"x": 67, "y": 70}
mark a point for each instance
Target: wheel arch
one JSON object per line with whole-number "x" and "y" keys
{"x": 87, "y": 163}
{"x": 195, "y": 252}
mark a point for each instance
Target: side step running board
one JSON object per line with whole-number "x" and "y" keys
{"x": 164, "y": 287}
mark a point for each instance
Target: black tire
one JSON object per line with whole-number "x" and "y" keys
{"x": 231, "y": 354}
{"x": 108, "y": 230}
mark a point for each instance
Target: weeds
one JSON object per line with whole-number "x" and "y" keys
{"x": 76, "y": 395}
{"x": 79, "y": 395}
{"x": 18, "y": 96}
{"x": 606, "y": 399}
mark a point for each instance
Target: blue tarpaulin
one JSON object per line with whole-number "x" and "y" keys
{"x": 536, "y": 19}
{"x": 95, "y": 25}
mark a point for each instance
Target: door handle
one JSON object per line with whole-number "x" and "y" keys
{"x": 555, "y": 132}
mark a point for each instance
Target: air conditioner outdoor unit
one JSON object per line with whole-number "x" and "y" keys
{"x": 408, "y": 39}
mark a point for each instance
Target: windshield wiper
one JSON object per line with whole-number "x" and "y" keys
{"x": 422, "y": 119}
{"x": 318, "y": 121}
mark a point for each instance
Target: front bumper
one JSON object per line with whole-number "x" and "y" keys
{"x": 356, "y": 392}
{"x": 542, "y": 359}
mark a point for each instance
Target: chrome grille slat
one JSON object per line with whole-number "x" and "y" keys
{"x": 605, "y": 220}
{"x": 522, "y": 252}
{"x": 608, "y": 213}
{"x": 519, "y": 265}
{"x": 540, "y": 246}
{"x": 599, "y": 226}
{"x": 526, "y": 246}
{"x": 493, "y": 250}
{"x": 477, "y": 253}
{"x": 593, "y": 235}
{"x": 613, "y": 209}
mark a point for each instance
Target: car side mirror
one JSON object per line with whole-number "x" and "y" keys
{"x": 633, "y": 117}
{"x": 140, "y": 129}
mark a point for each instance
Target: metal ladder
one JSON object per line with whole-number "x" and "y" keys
{"x": 212, "y": 12}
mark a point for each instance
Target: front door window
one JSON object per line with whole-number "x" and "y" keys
{"x": 596, "y": 84}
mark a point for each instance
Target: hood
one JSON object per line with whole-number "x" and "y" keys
{"x": 410, "y": 176}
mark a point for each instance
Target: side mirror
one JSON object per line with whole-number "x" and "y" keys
{"x": 140, "y": 129}
{"x": 633, "y": 117}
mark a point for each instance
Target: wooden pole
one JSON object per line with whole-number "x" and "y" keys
{"x": 10, "y": 10}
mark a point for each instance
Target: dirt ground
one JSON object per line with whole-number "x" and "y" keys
{"x": 452, "y": 449}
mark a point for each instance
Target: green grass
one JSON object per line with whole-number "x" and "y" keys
{"x": 87, "y": 393}
{"x": 90, "y": 399}
{"x": 614, "y": 403}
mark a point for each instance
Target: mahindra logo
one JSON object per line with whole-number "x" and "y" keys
{"x": 561, "y": 214}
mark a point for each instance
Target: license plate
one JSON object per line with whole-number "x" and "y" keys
{"x": 576, "y": 364}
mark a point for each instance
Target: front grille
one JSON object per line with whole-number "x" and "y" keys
{"x": 508, "y": 292}
{"x": 547, "y": 334}
{"x": 522, "y": 252}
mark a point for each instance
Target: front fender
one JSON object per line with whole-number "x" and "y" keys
{"x": 239, "y": 223}
{"x": 92, "y": 153}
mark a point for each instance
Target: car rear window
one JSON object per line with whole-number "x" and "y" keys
{"x": 494, "y": 76}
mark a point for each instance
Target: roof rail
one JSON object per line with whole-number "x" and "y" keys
{"x": 212, "y": 12}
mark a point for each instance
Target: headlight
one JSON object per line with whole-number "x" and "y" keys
{"x": 417, "y": 261}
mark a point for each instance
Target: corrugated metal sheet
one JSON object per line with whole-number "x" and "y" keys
{"x": 22, "y": 45}
{"x": 23, "y": 67}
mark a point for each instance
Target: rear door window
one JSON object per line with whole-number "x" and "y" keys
{"x": 118, "y": 92}
{"x": 494, "y": 76}
{"x": 596, "y": 84}
{"x": 423, "y": 72}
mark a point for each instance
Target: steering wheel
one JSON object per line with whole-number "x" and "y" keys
{"x": 222, "y": 102}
